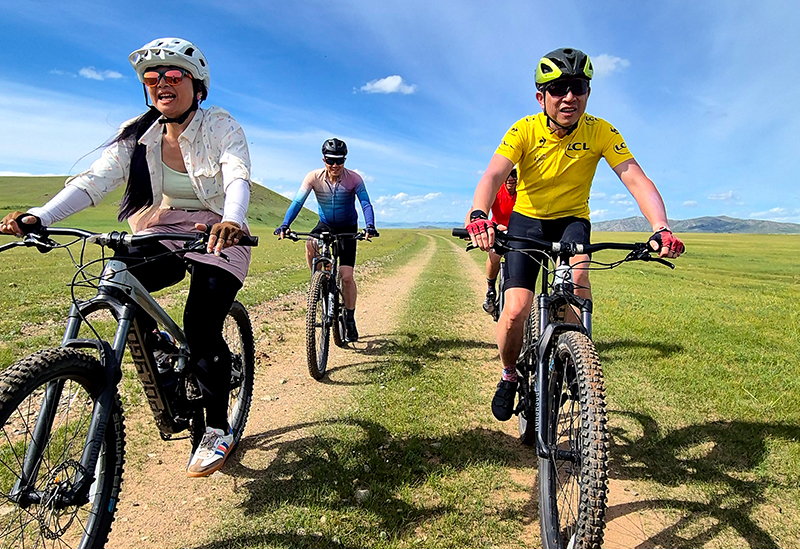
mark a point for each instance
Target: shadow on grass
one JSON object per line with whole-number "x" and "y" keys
{"x": 720, "y": 459}
{"x": 659, "y": 350}
{"x": 407, "y": 352}
{"x": 326, "y": 471}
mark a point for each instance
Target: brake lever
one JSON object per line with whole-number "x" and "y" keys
{"x": 645, "y": 256}
{"x": 43, "y": 244}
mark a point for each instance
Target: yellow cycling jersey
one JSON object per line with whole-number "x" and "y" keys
{"x": 555, "y": 174}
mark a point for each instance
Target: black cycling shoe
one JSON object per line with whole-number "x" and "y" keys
{"x": 490, "y": 303}
{"x": 503, "y": 402}
{"x": 351, "y": 332}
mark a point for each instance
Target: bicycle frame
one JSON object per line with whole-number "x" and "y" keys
{"x": 120, "y": 293}
{"x": 563, "y": 294}
{"x": 548, "y": 332}
{"x": 328, "y": 260}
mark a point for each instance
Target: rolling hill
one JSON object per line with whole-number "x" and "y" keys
{"x": 20, "y": 193}
{"x": 706, "y": 224}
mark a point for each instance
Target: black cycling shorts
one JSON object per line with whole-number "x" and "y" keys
{"x": 347, "y": 247}
{"x": 523, "y": 270}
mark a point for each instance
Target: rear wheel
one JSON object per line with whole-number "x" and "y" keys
{"x": 339, "y": 330}
{"x": 238, "y": 334}
{"x": 317, "y": 327}
{"x": 501, "y": 290}
{"x": 34, "y": 516}
{"x": 573, "y": 481}
{"x": 526, "y": 371}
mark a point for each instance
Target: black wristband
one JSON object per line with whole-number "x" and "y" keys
{"x": 478, "y": 215}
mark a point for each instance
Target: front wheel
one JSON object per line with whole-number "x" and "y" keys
{"x": 48, "y": 453}
{"x": 573, "y": 481}
{"x": 238, "y": 334}
{"x": 317, "y": 325}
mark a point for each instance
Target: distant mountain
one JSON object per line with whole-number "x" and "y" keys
{"x": 706, "y": 224}
{"x": 421, "y": 225}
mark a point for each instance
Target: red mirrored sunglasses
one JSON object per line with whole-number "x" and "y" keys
{"x": 172, "y": 77}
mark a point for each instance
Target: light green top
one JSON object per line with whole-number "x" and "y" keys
{"x": 178, "y": 191}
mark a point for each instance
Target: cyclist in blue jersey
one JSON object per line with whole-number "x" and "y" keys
{"x": 336, "y": 189}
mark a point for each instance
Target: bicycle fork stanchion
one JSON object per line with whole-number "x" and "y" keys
{"x": 21, "y": 492}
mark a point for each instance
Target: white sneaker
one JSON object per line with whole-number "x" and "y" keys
{"x": 210, "y": 454}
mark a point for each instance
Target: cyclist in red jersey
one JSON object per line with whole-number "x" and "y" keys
{"x": 501, "y": 211}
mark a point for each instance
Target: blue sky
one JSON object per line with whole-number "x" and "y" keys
{"x": 707, "y": 94}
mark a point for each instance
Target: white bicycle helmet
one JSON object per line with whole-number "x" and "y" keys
{"x": 171, "y": 51}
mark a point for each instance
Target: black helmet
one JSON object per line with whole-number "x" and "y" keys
{"x": 334, "y": 147}
{"x": 563, "y": 63}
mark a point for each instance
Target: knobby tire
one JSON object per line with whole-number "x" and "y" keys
{"x": 527, "y": 387}
{"x": 22, "y": 388}
{"x": 317, "y": 328}
{"x": 238, "y": 334}
{"x": 338, "y": 317}
{"x": 573, "y": 492}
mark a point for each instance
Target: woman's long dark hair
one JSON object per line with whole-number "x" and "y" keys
{"x": 139, "y": 192}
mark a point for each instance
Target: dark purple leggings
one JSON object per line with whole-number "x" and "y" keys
{"x": 211, "y": 294}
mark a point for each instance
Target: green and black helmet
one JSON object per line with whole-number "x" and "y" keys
{"x": 563, "y": 63}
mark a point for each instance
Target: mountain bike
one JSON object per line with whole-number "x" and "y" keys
{"x": 561, "y": 400}
{"x": 325, "y": 300}
{"x": 63, "y": 435}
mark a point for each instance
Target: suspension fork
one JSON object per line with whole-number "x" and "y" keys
{"x": 110, "y": 359}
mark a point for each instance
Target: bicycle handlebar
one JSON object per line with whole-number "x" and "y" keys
{"x": 325, "y": 235}
{"x": 117, "y": 239}
{"x": 639, "y": 251}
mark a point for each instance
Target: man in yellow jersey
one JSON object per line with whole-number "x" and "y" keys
{"x": 557, "y": 152}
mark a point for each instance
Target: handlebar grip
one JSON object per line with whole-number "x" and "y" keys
{"x": 461, "y": 233}
{"x": 248, "y": 240}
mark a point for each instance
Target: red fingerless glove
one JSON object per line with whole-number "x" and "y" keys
{"x": 664, "y": 237}
{"x": 478, "y": 223}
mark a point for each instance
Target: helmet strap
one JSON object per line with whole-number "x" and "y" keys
{"x": 177, "y": 120}
{"x": 182, "y": 118}
{"x": 569, "y": 129}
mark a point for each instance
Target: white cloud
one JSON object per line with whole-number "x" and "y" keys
{"x": 404, "y": 200}
{"x": 779, "y": 214}
{"x": 63, "y": 73}
{"x": 605, "y": 64}
{"x": 619, "y": 197}
{"x": 729, "y": 196}
{"x": 599, "y": 196}
{"x": 689, "y": 203}
{"x": 598, "y": 213}
{"x": 366, "y": 177}
{"x": 93, "y": 74}
{"x": 389, "y": 85}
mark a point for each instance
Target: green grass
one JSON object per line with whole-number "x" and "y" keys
{"x": 701, "y": 375}
{"x": 409, "y": 438}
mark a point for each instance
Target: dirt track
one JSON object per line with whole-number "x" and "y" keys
{"x": 161, "y": 508}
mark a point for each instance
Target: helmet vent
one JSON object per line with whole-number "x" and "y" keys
{"x": 202, "y": 62}
{"x": 545, "y": 69}
{"x": 189, "y": 51}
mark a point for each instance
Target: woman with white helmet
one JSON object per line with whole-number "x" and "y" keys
{"x": 185, "y": 169}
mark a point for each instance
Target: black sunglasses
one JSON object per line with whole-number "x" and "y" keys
{"x": 331, "y": 161}
{"x": 560, "y": 88}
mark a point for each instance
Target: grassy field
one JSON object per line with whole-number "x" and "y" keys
{"x": 701, "y": 375}
{"x": 703, "y": 389}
